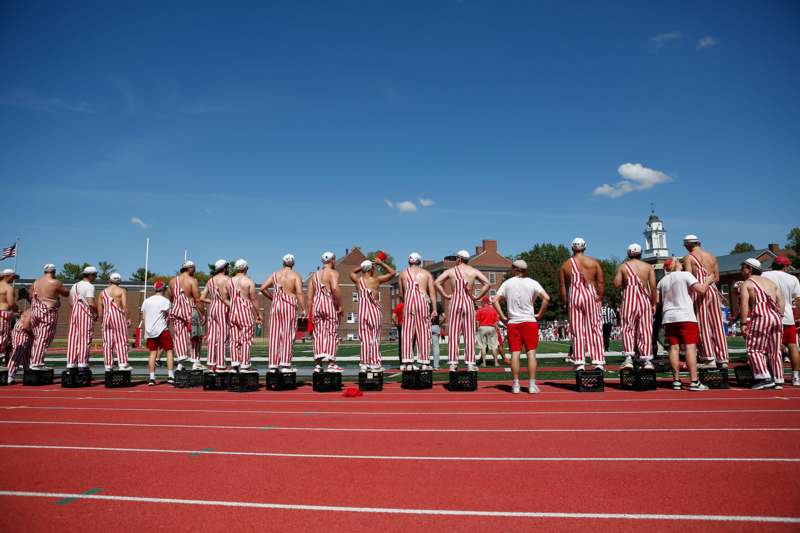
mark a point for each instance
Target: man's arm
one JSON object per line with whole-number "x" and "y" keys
{"x": 688, "y": 264}
{"x": 562, "y": 286}
{"x": 599, "y": 281}
{"x": 336, "y": 291}
{"x": 253, "y": 296}
{"x": 60, "y": 290}
{"x": 496, "y": 304}
{"x": 484, "y": 285}
{"x": 298, "y": 290}
{"x": 545, "y": 298}
{"x": 651, "y": 282}
{"x": 714, "y": 269}
{"x": 100, "y": 307}
{"x": 744, "y": 307}
{"x": 194, "y": 293}
{"x": 431, "y": 294}
{"x": 439, "y": 284}
{"x": 312, "y": 287}
{"x": 354, "y": 276}
{"x": 618, "y": 277}
{"x": 124, "y": 300}
{"x": 266, "y": 286}
{"x": 390, "y": 272}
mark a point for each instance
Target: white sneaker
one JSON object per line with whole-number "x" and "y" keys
{"x": 362, "y": 368}
{"x": 333, "y": 367}
{"x": 628, "y": 363}
{"x": 648, "y": 365}
{"x": 197, "y": 365}
{"x": 723, "y": 366}
{"x": 796, "y": 382}
{"x": 578, "y": 367}
{"x": 707, "y": 365}
{"x": 427, "y": 367}
{"x": 109, "y": 368}
{"x": 601, "y": 368}
{"x": 317, "y": 368}
{"x": 69, "y": 366}
{"x": 376, "y": 368}
{"x": 286, "y": 369}
{"x": 515, "y": 388}
{"x": 697, "y": 386}
{"x": 273, "y": 368}
{"x": 472, "y": 367}
{"x": 453, "y": 367}
{"x": 778, "y": 386}
{"x": 677, "y": 385}
{"x": 533, "y": 389}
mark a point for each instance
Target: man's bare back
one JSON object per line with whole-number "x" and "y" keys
{"x": 469, "y": 274}
{"x": 221, "y": 281}
{"x": 291, "y": 283}
{"x": 707, "y": 259}
{"x": 7, "y": 302}
{"x": 119, "y": 296}
{"x": 48, "y": 290}
{"x": 423, "y": 279}
{"x": 767, "y": 285}
{"x": 589, "y": 268}
{"x": 643, "y": 271}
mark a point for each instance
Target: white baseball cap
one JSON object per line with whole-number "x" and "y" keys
{"x": 49, "y": 267}
{"x": 578, "y": 243}
{"x": 520, "y": 264}
{"x": 7, "y": 272}
{"x": 89, "y": 270}
{"x": 366, "y": 265}
{"x": 327, "y": 256}
{"x": 240, "y": 264}
{"x": 691, "y": 238}
{"x": 414, "y": 258}
{"x": 115, "y": 277}
{"x": 187, "y": 264}
{"x": 288, "y": 259}
{"x": 220, "y": 264}
{"x": 463, "y": 254}
{"x": 634, "y": 249}
{"x": 753, "y": 263}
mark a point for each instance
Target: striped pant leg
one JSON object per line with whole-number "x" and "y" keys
{"x": 275, "y": 337}
{"x": 577, "y": 328}
{"x": 326, "y": 332}
{"x": 121, "y": 345}
{"x": 407, "y": 331}
{"x": 628, "y": 329}
{"x": 181, "y": 331}
{"x": 469, "y": 333}
{"x": 79, "y": 340}
{"x": 364, "y": 340}
{"x": 20, "y": 353}
{"x": 756, "y": 347}
{"x": 236, "y": 340}
{"x": 108, "y": 346}
{"x": 288, "y": 329}
{"x": 645, "y": 334}
{"x": 320, "y": 346}
{"x": 216, "y": 340}
{"x": 595, "y": 332}
{"x": 716, "y": 328}
{"x": 5, "y": 332}
{"x": 246, "y": 344}
{"x": 456, "y": 319}
{"x": 773, "y": 350}
{"x": 44, "y": 329}
{"x": 424, "y": 340}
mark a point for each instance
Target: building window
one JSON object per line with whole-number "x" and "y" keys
{"x": 355, "y": 296}
{"x": 492, "y": 293}
{"x": 476, "y": 291}
{"x": 492, "y": 278}
{"x": 352, "y": 318}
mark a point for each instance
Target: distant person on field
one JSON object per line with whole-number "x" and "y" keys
{"x": 486, "y": 319}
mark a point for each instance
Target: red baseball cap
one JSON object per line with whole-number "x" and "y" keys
{"x": 158, "y": 285}
{"x": 668, "y": 263}
{"x": 783, "y": 260}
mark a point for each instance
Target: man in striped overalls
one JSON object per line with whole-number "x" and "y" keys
{"x": 461, "y": 314}
{"x": 419, "y": 309}
{"x": 761, "y": 308}
{"x": 8, "y": 307}
{"x": 584, "y": 277}
{"x": 113, "y": 307}
{"x": 184, "y": 296}
{"x": 638, "y": 282}
{"x": 369, "y": 311}
{"x": 286, "y": 296}
{"x": 244, "y": 315}
{"x": 713, "y": 347}
{"x": 215, "y": 294}
{"x": 325, "y": 302}
{"x": 46, "y": 294}
{"x": 81, "y": 319}
{"x": 21, "y": 342}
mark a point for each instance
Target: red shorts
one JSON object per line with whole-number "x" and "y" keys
{"x": 682, "y": 333}
{"x": 163, "y": 341}
{"x": 523, "y": 333}
{"x": 789, "y": 334}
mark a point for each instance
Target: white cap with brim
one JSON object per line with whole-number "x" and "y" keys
{"x": 366, "y": 265}
{"x": 115, "y": 277}
{"x": 691, "y": 238}
{"x": 49, "y": 267}
{"x": 414, "y": 258}
{"x": 288, "y": 259}
{"x": 7, "y": 272}
{"x": 752, "y": 263}
{"x": 520, "y": 264}
{"x": 327, "y": 256}
{"x": 578, "y": 243}
{"x": 220, "y": 264}
{"x": 240, "y": 264}
{"x": 634, "y": 249}
{"x": 89, "y": 271}
{"x": 187, "y": 264}
{"x": 463, "y": 254}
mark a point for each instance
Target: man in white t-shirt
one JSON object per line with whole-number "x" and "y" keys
{"x": 81, "y": 319}
{"x": 156, "y": 333}
{"x": 680, "y": 322}
{"x": 520, "y": 293}
{"x": 789, "y": 287}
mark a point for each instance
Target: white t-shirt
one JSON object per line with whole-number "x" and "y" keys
{"x": 155, "y": 310}
{"x": 677, "y": 305}
{"x": 81, "y": 291}
{"x": 520, "y": 294}
{"x": 789, "y": 287}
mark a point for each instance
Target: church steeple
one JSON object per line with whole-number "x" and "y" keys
{"x": 655, "y": 239}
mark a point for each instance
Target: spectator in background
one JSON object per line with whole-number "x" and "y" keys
{"x": 609, "y": 321}
{"x": 397, "y": 320}
{"x": 436, "y": 335}
{"x": 486, "y": 334}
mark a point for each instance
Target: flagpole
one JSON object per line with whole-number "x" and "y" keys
{"x": 16, "y": 253}
{"x": 185, "y": 255}
{"x": 146, "y": 264}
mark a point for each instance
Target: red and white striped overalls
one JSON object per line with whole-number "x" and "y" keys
{"x": 43, "y": 325}
{"x": 180, "y": 321}
{"x": 585, "y": 319}
{"x": 21, "y": 342}
{"x": 242, "y": 326}
{"x": 708, "y": 309}
{"x": 461, "y": 318}
{"x": 5, "y": 330}
{"x": 81, "y": 329}
{"x": 216, "y": 326}
{"x": 369, "y": 325}
{"x": 326, "y": 321}
{"x": 764, "y": 338}
{"x": 115, "y": 331}
{"x": 636, "y": 317}
{"x": 282, "y": 324}
{"x": 417, "y": 322}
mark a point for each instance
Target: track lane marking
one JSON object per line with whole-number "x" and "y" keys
{"x": 409, "y": 511}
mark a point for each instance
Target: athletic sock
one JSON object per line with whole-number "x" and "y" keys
{"x": 172, "y": 374}
{"x": 796, "y": 374}
{"x": 532, "y": 382}
{"x": 152, "y": 375}
{"x": 515, "y": 382}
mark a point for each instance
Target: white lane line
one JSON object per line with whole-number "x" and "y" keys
{"x": 399, "y": 430}
{"x": 409, "y": 413}
{"x": 408, "y": 511}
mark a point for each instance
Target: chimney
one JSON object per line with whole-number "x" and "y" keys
{"x": 427, "y": 262}
{"x": 478, "y": 250}
{"x": 490, "y": 246}
{"x": 774, "y": 248}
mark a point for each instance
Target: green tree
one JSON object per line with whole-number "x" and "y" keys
{"x": 793, "y": 240}
{"x": 201, "y": 277}
{"x": 544, "y": 261}
{"x": 389, "y": 259}
{"x": 71, "y": 272}
{"x": 104, "y": 269}
{"x": 741, "y": 247}
{"x": 610, "y": 292}
{"x": 138, "y": 276}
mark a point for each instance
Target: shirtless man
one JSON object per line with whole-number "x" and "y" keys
{"x": 286, "y": 297}
{"x": 461, "y": 315}
{"x": 81, "y": 319}
{"x": 46, "y": 293}
{"x": 113, "y": 308}
{"x": 639, "y": 296}
{"x": 369, "y": 311}
{"x": 244, "y": 315}
{"x": 419, "y": 308}
{"x": 8, "y": 307}
{"x": 216, "y": 295}
{"x": 325, "y": 302}
{"x": 761, "y": 308}
{"x": 184, "y": 294}
{"x": 581, "y": 290}
{"x": 713, "y": 349}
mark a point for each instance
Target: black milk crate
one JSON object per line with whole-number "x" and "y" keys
{"x": 463, "y": 380}
{"x": 4, "y": 377}
{"x": 281, "y": 380}
{"x": 589, "y": 380}
{"x": 417, "y": 379}
{"x": 370, "y": 381}
{"x": 117, "y": 378}
{"x": 327, "y": 381}
{"x": 661, "y": 363}
{"x": 185, "y": 379}
{"x": 638, "y": 379}
{"x": 76, "y": 377}
{"x": 744, "y": 375}
{"x": 714, "y": 378}
{"x": 38, "y": 377}
{"x": 215, "y": 380}
{"x": 243, "y": 381}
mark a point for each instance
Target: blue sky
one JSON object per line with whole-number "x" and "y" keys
{"x": 254, "y": 129}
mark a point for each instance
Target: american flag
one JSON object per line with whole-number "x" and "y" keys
{"x": 10, "y": 251}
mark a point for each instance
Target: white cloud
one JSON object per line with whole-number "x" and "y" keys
{"x": 405, "y": 206}
{"x": 36, "y": 102}
{"x": 665, "y": 38}
{"x": 707, "y": 42}
{"x": 136, "y": 221}
{"x": 635, "y": 177}
{"x": 426, "y": 202}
